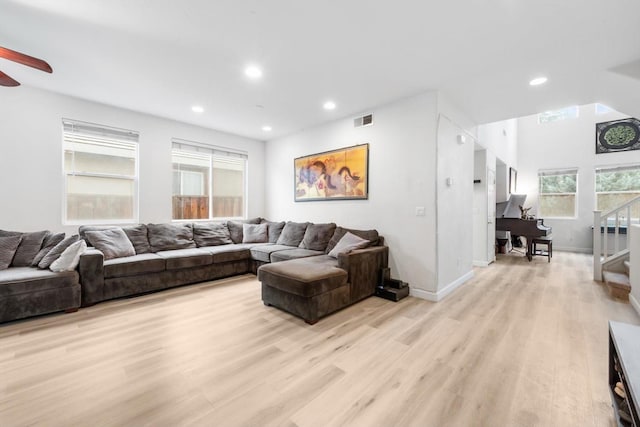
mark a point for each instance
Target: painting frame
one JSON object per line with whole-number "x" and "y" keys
{"x": 340, "y": 174}
{"x": 618, "y": 135}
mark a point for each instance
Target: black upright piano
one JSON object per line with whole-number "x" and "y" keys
{"x": 508, "y": 219}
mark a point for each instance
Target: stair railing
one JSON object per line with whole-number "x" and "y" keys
{"x": 610, "y": 223}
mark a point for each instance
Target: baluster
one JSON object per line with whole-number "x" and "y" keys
{"x": 615, "y": 233}
{"x": 605, "y": 239}
{"x": 629, "y": 227}
{"x": 597, "y": 238}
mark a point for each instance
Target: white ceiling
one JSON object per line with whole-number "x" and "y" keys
{"x": 162, "y": 56}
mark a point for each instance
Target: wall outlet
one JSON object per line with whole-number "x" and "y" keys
{"x": 420, "y": 211}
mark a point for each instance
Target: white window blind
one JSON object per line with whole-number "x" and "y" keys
{"x": 208, "y": 182}
{"x": 101, "y": 173}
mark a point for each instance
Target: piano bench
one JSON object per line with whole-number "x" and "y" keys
{"x": 543, "y": 240}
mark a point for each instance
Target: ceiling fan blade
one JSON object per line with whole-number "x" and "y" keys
{"x": 23, "y": 59}
{"x": 7, "y": 81}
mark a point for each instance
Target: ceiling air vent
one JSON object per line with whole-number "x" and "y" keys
{"x": 363, "y": 121}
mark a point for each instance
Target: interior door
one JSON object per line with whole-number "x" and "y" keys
{"x": 491, "y": 215}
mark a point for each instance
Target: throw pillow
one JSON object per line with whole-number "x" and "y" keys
{"x": 348, "y": 243}
{"x": 49, "y": 243}
{"x": 28, "y": 248}
{"x": 235, "y": 228}
{"x": 211, "y": 234}
{"x": 370, "y": 235}
{"x": 8, "y": 247}
{"x": 166, "y": 237}
{"x": 113, "y": 243}
{"x": 57, "y": 250}
{"x": 317, "y": 236}
{"x": 255, "y": 233}
{"x": 275, "y": 229}
{"x": 138, "y": 236}
{"x": 292, "y": 233}
{"x": 70, "y": 257}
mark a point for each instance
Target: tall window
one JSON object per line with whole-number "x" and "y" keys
{"x": 208, "y": 182}
{"x": 101, "y": 173}
{"x": 557, "y": 193}
{"x": 616, "y": 186}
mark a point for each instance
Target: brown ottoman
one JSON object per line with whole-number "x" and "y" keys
{"x": 305, "y": 289}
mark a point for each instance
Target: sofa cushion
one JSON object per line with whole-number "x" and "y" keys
{"x": 185, "y": 258}
{"x": 348, "y": 243}
{"x": 28, "y": 248}
{"x": 8, "y": 248}
{"x": 165, "y": 237}
{"x": 317, "y": 236}
{"x": 302, "y": 278}
{"x": 255, "y": 233}
{"x": 274, "y": 229}
{"x": 211, "y": 234}
{"x": 69, "y": 259}
{"x": 293, "y": 254}
{"x": 235, "y": 228}
{"x": 370, "y": 235}
{"x": 138, "y": 235}
{"x": 57, "y": 250}
{"x": 229, "y": 253}
{"x": 132, "y": 265}
{"x": 292, "y": 233}
{"x": 113, "y": 243}
{"x": 20, "y": 280}
{"x": 49, "y": 243}
{"x": 263, "y": 252}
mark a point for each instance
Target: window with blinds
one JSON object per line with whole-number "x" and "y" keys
{"x": 557, "y": 191}
{"x": 616, "y": 185}
{"x": 208, "y": 182}
{"x": 101, "y": 173}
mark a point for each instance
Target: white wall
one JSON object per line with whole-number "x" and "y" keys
{"x": 402, "y": 164}
{"x": 562, "y": 144}
{"x": 31, "y": 157}
{"x": 455, "y": 169}
{"x": 634, "y": 273}
{"x": 501, "y": 141}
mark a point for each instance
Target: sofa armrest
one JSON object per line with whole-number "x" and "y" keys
{"x": 363, "y": 269}
{"x": 91, "y": 269}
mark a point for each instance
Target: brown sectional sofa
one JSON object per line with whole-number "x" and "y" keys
{"x": 295, "y": 247}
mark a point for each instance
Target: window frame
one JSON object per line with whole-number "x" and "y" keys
{"x": 214, "y": 152}
{"x": 612, "y": 168}
{"x": 557, "y": 172}
{"x": 108, "y": 132}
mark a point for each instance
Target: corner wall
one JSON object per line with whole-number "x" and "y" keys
{"x": 402, "y": 164}
{"x": 31, "y": 158}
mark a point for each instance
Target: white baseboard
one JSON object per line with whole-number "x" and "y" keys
{"x": 442, "y": 293}
{"x": 635, "y": 303}
{"x": 481, "y": 263}
{"x": 570, "y": 249}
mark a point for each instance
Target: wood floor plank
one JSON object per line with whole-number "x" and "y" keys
{"x": 521, "y": 344}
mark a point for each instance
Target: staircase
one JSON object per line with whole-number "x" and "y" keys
{"x": 611, "y": 246}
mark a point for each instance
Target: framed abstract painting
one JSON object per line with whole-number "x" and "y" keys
{"x": 341, "y": 174}
{"x": 618, "y": 135}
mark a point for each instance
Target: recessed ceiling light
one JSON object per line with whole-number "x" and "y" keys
{"x": 197, "y": 109}
{"x": 329, "y": 105}
{"x": 266, "y": 128}
{"x": 253, "y": 72}
{"x": 538, "y": 81}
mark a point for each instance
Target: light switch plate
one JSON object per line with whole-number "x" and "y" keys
{"x": 420, "y": 211}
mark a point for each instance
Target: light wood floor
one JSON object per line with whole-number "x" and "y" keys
{"x": 522, "y": 344}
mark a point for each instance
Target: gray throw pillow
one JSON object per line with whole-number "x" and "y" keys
{"x": 292, "y": 233}
{"x": 211, "y": 234}
{"x": 28, "y": 248}
{"x": 8, "y": 247}
{"x": 370, "y": 235}
{"x": 138, "y": 236}
{"x": 49, "y": 243}
{"x": 275, "y": 229}
{"x": 255, "y": 233}
{"x": 348, "y": 243}
{"x": 113, "y": 243}
{"x": 235, "y": 228}
{"x": 166, "y": 237}
{"x": 317, "y": 236}
{"x": 57, "y": 250}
